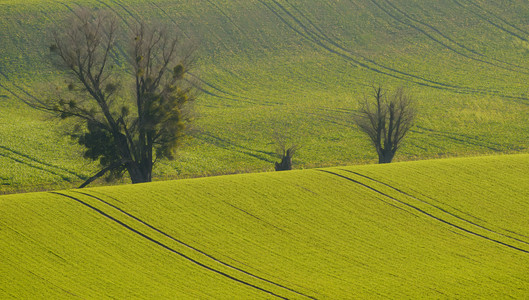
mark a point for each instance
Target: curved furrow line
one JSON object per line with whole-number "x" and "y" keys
{"x": 491, "y": 22}
{"x": 474, "y": 3}
{"x": 230, "y": 146}
{"x": 196, "y": 249}
{"x": 325, "y": 118}
{"x": 223, "y": 13}
{"x": 320, "y": 38}
{"x": 437, "y": 207}
{"x": 346, "y": 57}
{"x": 34, "y": 166}
{"x": 427, "y": 213}
{"x": 463, "y": 141}
{"x": 431, "y": 37}
{"x": 21, "y": 90}
{"x": 406, "y": 15}
{"x": 384, "y": 70}
{"x": 230, "y": 95}
{"x": 208, "y": 92}
{"x": 170, "y": 18}
{"x": 115, "y": 12}
{"x": 395, "y": 7}
{"x": 134, "y": 17}
{"x": 24, "y": 91}
{"x": 17, "y": 96}
{"x": 42, "y": 162}
{"x": 68, "y": 7}
{"x": 145, "y": 236}
{"x": 366, "y": 186}
{"x": 119, "y": 48}
{"x": 4, "y": 74}
{"x": 462, "y": 136}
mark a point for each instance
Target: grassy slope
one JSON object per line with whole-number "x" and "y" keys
{"x": 443, "y": 228}
{"x": 296, "y": 67}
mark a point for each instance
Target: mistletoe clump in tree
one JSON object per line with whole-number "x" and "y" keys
{"x": 127, "y": 119}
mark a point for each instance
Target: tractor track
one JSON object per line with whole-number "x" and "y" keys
{"x": 494, "y": 146}
{"x": 409, "y": 23}
{"x": 230, "y": 146}
{"x": 331, "y": 46}
{"x": 484, "y": 18}
{"x": 191, "y": 260}
{"x": 437, "y": 207}
{"x": 230, "y": 96}
{"x": 462, "y": 141}
{"x": 474, "y": 3}
{"x": 65, "y": 178}
{"x": 423, "y": 212}
{"x": 17, "y": 153}
{"x": 181, "y": 243}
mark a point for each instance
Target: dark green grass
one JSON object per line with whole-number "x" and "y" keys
{"x": 296, "y": 67}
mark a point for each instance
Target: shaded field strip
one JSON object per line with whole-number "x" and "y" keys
{"x": 42, "y": 163}
{"x": 437, "y": 207}
{"x": 167, "y": 247}
{"x": 427, "y": 213}
{"x": 193, "y": 248}
{"x": 435, "y": 39}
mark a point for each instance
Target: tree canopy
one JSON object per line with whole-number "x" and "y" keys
{"x": 129, "y": 118}
{"x": 386, "y": 120}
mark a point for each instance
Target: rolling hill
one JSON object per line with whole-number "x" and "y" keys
{"x": 451, "y": 228}
{"x": 289, "y": 66}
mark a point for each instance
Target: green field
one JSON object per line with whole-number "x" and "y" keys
{"x": 290, "y": 66}
{"x": 451, "y": 228}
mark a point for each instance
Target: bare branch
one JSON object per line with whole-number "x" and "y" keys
{"x": 386, "y": 121}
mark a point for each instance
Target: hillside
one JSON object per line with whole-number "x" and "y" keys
{"x": 297, "y": 67}
{"x": 454, "y": 228}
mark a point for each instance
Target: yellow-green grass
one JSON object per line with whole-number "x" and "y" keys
{"x": 293, "y": 66}
{"x": 451, "y": 228}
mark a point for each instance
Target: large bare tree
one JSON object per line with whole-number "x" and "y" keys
{"x": 386, "y": 120}
{"x": 130, "y": 115}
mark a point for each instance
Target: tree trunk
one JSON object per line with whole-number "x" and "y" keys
{"x": 285, "y": 165}
{"x": 385, "y": 156}
{"x": 140, "y": 173}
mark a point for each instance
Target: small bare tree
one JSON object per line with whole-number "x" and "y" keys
{"x": 126, "y": 125}
{"x": 285, "y": 152}
{"x": 386, "y": 120}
